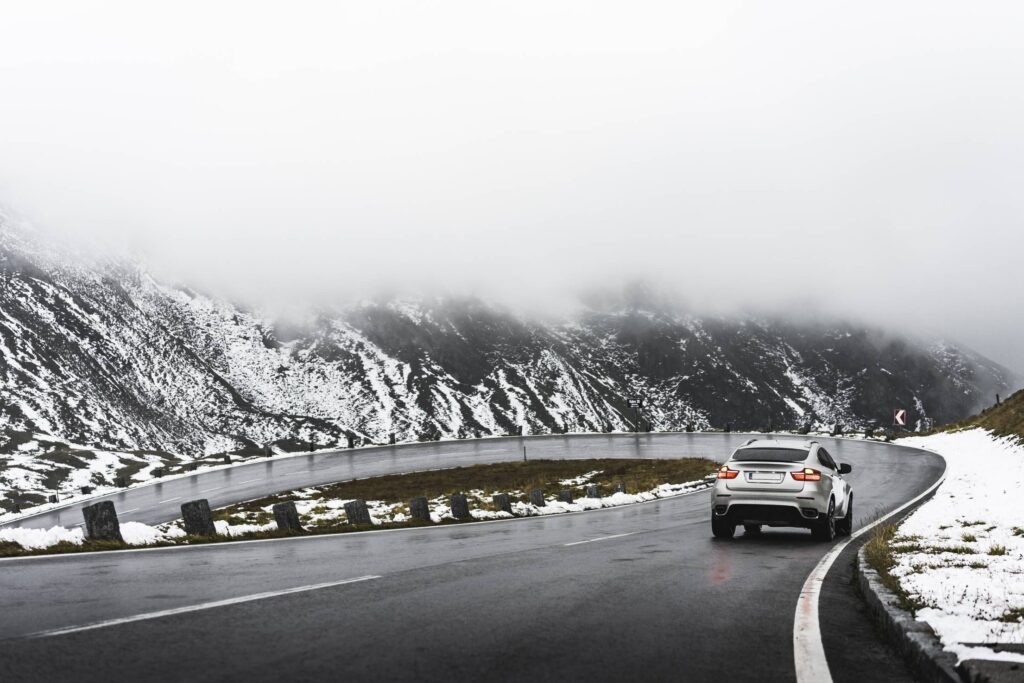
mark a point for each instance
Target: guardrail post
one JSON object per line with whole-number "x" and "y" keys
{"x": 101, "y": 522}
{"x": 351, "y": 442}
{"x": 565, "y": 496}
{"x": 460, "y": 506}
{"x": 593, "y": 491}
{"x": 198, "y": 518}
{"x": 419, "y": 509}
{"x": 503, "y": 502}
{"x": 537, "y": 498}
{"x": 392, "y": 440}
{"x": 53, "y": 498}
{"x": 158, "y": 472}
{"x": 620, "y": 488}
{"x": 287, "y": 517}
{"x": 357, "y": 512}
{"x": 86, "y": 490}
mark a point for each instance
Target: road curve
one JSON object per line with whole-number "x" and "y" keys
{"x": 638, "y": 591}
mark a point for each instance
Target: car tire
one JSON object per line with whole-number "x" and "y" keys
{"x": 721, "y": 527}
{"x": 825, "y": 530}
{"x": 751, "y": 529}
{"x": 844, "y": 526}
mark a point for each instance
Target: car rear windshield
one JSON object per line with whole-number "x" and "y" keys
{"x": 771, "y": 455}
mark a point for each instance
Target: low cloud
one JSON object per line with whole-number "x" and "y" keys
{"x": 861, "y": 161}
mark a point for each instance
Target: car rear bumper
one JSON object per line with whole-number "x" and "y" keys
{"x": 773, "y": 509}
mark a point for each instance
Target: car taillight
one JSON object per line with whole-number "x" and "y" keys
{"x": 725, "y": 473}
{"x": 807, "y": 474}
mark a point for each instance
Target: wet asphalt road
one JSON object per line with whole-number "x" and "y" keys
{"x": 650, "y": 596}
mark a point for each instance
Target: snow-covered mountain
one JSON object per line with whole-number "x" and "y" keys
{"x": 104, "y": 356}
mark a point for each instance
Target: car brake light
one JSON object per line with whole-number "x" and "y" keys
{"x": 807, "y": 474}
{"x": 725, "y": 473}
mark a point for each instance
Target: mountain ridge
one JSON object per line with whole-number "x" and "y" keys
{"x": 103, "y": 355}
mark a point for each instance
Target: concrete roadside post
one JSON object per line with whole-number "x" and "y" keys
{"x": 537, "y": 498}
{"x": 101, "y": 522}
{"x": 503, "y": 502}
{"x": 593, "y": 491}
{"x": 287, "y": 517}
{"x": 357, "y": 512}
{"x": 419, "y": 509}
{"x": 620, "y": 488}
{"x": 460, "y": 506}
{"x": 565, "y": 496}
{"x": 198, "y": 518}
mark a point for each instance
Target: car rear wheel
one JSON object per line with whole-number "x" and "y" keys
{"x": 825, "y": 530}
{"x": 721, "y": 527}
{"x": 751, "y": 529}
{"x": 844, "y": 526}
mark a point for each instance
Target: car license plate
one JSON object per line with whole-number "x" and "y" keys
{"x": 771, "y": 477}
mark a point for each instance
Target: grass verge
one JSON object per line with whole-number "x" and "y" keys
{"x": 637, "y": 475}
{"x": 546, "y": 475}
{"x": 880, "y": 556}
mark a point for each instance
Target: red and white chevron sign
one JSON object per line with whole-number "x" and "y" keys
{"x": 899, "y": 417}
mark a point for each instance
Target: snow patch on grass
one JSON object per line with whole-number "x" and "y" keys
{"x": 960, "y": 554}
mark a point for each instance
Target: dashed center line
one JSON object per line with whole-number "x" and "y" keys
{"x": 247, "y": 481}
{"x": 171, "y": 500}
{"x": 602, "y": 538}
{"x": 125, "y": 512}
{"x": 215, "y": 488}
{"x": 197, "y": 608}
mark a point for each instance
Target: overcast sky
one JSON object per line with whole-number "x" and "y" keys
{"x": 862, "y": 158}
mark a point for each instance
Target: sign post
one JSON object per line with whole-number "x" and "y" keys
{"x": 635, "y": 404}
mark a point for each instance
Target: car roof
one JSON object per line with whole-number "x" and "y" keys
{"x": 776, "y": 443}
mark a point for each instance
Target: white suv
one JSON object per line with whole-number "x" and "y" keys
{"x": 782, "y": 483}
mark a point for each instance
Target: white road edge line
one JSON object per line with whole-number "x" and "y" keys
{"x": 170, "y": 500}
{"x": 195, "y": 608}
{"x": 808, "y": 650}
{"x": 215, "y": 488}
{"x": 602, "y": 538}
{"x": 125, "y": 512}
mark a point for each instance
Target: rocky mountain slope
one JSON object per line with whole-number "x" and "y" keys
{"x": 103, "y": 356}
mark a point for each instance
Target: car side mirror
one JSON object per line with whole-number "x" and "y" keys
{"x": 844, "y": 468}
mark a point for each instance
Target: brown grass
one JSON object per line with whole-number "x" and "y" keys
{"x": 880, "y": 556}
{"x": 637, "y": 475}
{"x": 1005, "y": 419}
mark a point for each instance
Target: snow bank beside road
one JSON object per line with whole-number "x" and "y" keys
{"x": 961, "y": 554}
{"x": 133, "y": 533}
